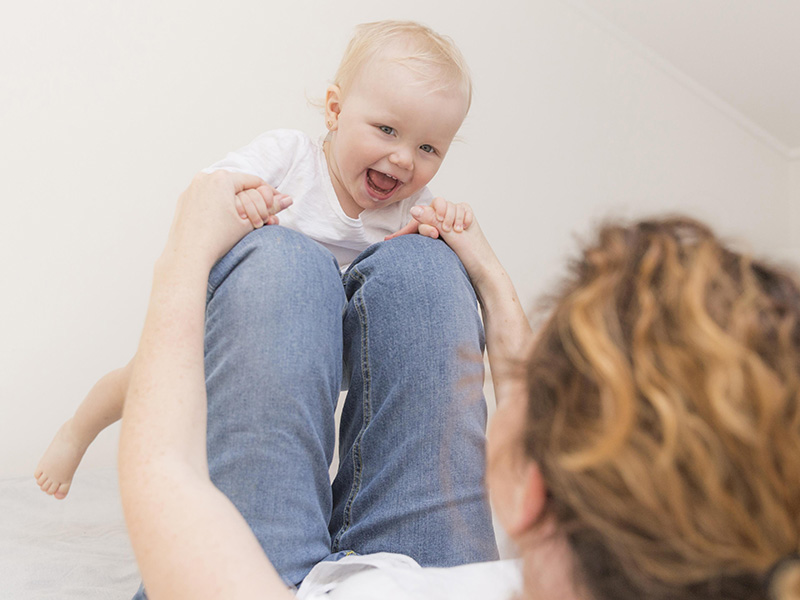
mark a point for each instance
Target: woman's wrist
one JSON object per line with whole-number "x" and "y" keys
{"x": 177, "y": 259}
{"x": 180, "y": 272}
{"x": 490, "y": 280}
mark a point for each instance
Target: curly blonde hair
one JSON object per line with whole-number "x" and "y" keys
{"x": 664, "y": 412}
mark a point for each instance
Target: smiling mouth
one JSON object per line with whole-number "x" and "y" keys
{"x": 380, "y": 184}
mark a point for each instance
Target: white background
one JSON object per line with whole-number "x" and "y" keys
{"x": 108, "y": 108}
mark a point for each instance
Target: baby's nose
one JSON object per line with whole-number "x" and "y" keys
{"x": 402, "y": 158}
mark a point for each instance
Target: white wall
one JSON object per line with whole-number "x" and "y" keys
{"x": 793, "y": 244}
{"x": 107, "y": 109}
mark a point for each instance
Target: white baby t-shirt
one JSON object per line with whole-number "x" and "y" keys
{"x": 294, "y": 164}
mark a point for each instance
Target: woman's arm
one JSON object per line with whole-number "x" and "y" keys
{"x": 189, "y": 540}
{"x": 508, "y": 331}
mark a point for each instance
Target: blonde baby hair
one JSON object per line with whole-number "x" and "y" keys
{"x": 432, "y": 56}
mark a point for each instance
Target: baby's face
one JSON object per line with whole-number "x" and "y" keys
{"x": 390, "y": 135}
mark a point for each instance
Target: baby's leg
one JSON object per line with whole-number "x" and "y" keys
{"x": 101, "y": 407}
{"x": 412, "y": 435}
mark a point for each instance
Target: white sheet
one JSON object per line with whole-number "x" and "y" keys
{"x": 78, "y": 549}
{"x": 75, "y": 548}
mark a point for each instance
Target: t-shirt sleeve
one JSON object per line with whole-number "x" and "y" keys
{"x": 269, "y": 156}
{"x": 423, "y": 197}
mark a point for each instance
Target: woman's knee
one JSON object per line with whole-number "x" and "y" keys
{"x": 275, "y": 289}
{"x": 275, "y": 256}
{"x": 419, "y": 269}
{"x": 414, "y": 283}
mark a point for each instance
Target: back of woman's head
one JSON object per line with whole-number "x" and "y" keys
{"x": 664, "y": 413}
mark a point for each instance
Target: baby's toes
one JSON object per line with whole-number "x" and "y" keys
{"x": 62, "y": 491}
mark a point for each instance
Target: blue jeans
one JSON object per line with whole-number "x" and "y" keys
{"x": 402, "y": 327}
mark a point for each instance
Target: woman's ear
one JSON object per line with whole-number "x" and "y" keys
{"x": 333, "y": 106}
{"x": 527, "y": 501}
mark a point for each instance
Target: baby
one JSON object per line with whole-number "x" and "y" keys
{"x": 399, "y": 96}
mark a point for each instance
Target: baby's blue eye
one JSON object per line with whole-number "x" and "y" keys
{"x": 427, "y": 148}
{"x": 386, "y": 129}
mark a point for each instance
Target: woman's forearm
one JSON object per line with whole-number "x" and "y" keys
{"x": 508, "y": 332}
{"x": 162, "y": 454}
{"x": 166, "y": 404}
{"x": 189, "y": 539}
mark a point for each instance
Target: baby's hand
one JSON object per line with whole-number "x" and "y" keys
{"x": 259, "y": 205}
{"x": 447, "y": 217}
{"x": 452, "y": 217}
{"x": 207, "y": 224}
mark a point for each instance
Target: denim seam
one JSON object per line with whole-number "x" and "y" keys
{"x": 358, "y": 462}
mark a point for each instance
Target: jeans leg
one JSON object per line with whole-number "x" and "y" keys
{"x": 413, "y": 428}
{"x": 273, "y": 372}
{"x": 273, "y": 359}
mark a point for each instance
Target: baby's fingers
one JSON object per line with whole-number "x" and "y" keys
{"x": 449, "y": 217}
{"x": 240, "y": 207}
{"x": 274, "y": 200}
{"x": 458, "y": 222}
{"x": 439, "y": 206}
{"x": 428, "y": 221}
{"x": 254, "y": 206}
{"x": 425, "y": 215}
{"x": 428, "y": 231}
{"x": 463, "y": 217}
{"x": 280, "y": 201}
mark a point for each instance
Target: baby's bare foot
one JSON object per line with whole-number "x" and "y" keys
{"x": 58, "y": 465}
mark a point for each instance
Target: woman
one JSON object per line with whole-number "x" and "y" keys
{"x": 652, "y": 451}
{"x": 661, "y": 432}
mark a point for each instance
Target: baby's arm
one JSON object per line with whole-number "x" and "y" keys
{"x": 508, "y": 332}
{"x": 101, "y": 407}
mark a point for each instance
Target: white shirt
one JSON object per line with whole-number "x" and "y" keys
{"x": 294, "y": 164}
{"x": 397, "y": 577}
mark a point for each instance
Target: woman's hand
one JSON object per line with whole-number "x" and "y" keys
{"x": 207, "y": 221}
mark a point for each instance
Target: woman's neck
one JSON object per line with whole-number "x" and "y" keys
{"x": 547, "y": 565}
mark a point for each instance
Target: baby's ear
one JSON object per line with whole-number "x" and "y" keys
{"x": 333, "y": 106}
